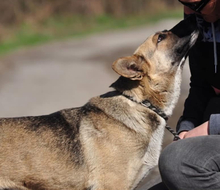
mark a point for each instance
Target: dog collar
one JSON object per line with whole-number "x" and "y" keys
{"x": 148, "y": 104}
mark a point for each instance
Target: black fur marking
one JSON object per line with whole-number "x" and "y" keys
{"x": 111, "y": 94}
{"x": 123, "y": 84}
{"x": 65, "y": 126}
{"x": 154, "y": 122}
{"x": 88, "y": 108}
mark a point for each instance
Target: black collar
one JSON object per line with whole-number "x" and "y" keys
{"x": 148, "y": 104}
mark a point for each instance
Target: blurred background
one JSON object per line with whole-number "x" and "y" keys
{"x": 57, "y": 54}
{"x": 29, "y": 22}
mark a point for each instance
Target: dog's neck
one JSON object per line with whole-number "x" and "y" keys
{"x": 174, "y": 92}
{"x": 165, "y": 102}
{"x": 146, "y": 103}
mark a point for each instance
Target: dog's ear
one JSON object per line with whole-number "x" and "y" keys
{"x": 129, "y": 67}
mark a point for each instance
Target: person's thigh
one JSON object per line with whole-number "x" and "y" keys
{"x": 192, "y": 164}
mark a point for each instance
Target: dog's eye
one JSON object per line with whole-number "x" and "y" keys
{"x": 161, "y": 37}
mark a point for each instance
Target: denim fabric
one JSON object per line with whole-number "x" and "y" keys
{"x": 192, "y": 164}
{"x": 214, "y": 124}
{"x": 186, "y": 126}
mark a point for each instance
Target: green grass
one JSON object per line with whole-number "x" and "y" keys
{"x": 59, "y": 28}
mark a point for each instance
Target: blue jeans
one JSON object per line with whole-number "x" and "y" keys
{"x": 192, "y": 164}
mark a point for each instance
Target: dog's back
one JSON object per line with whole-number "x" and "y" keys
{"x": 40, "y": 152}
{"x": 72, "y": 149}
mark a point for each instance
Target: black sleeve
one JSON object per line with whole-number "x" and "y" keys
{"x": 200, "y": 89}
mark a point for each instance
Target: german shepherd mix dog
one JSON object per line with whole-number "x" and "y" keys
{"x": 112, "y": 141}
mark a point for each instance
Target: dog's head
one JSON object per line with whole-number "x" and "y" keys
{"x": 157, "y": 63}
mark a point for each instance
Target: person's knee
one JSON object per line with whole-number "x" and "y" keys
{"x": 191, "y": 163}
{"x": 170, "y": 163}
{"x": 168, "y": 159}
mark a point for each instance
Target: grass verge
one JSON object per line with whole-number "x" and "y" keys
{"x": 58, "y": 28}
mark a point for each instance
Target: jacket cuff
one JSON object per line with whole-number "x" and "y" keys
{"x": 185, "y": 126}
{"x": 214, "y": 124}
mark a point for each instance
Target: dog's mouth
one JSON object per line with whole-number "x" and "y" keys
{"x": 187, "y": 34}
{"x": 184, "y": 45}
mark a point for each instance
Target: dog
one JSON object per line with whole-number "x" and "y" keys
{"x": 114, "y": 140}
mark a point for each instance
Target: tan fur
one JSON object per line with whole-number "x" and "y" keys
{"x": 110, "y": 143}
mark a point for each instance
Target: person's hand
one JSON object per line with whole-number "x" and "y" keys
{"x": 182, "y": 134}
{"x": 201, "y": 130}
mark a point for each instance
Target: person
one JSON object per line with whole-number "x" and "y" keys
{"x": 193, "y": 162}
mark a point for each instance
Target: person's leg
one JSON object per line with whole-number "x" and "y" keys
{"x": 159, "y": 186}
{"x": 192, "y": 164}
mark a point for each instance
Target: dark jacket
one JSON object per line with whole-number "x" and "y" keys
{"x": 199, "y": 104}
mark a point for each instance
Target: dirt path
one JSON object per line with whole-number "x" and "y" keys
{"x": 47, "y": 78}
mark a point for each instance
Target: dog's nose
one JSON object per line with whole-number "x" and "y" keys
{"x": 185, "y": 27}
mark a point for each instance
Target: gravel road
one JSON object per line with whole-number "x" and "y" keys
{"x": 46, "y": 78}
